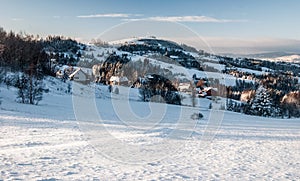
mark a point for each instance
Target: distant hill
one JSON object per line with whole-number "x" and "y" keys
{"x": 271, "y": 56}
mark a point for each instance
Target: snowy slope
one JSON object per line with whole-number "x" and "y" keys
{"x": 47, "y": 142}
{"x": 178, "y": 71}
{"x": 182, "y": 72}
{"x": 90, "y": 134}
{"x": 123, "y": 41}
{"x": 288, "y": 58}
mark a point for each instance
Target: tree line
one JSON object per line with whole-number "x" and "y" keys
{"x": 28, "y": 57}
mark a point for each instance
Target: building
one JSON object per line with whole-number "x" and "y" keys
{"x": 79, "y": 76}
{"x": 185, "y": 87}
{"x": 116, "y": 80}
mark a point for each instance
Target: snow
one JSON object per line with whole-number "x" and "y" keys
{"x": 217, "y": 66}
{"x": 182, "y": 72}
{"x": 125, "y": 40}
{"x": 209, "y": 58}
{"x": 256, "y": 72}
{"x": 97, "y": 53}
{"x": 118, "y": 79}
{"x": 174, "y": 57}
{"x": 288, "y": 58}
{"x": 139, "y": 141}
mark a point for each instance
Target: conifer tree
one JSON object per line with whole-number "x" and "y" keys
{"x": 262, "y": 103}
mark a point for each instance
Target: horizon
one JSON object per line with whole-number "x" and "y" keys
{"x": 226, "y": 27}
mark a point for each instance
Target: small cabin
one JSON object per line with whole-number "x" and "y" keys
{"x": 116, "y": 80}
{"x": 79, "y": 76}
{"x": 185, "y": 87}
{"x": 208, "y": 92}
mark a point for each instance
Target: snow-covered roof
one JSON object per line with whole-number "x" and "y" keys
{"x": 210, "y": 88}
{"x": 75, "y": 72}
{"x": 174, "y": 57}
{"x": 118, "y": 79}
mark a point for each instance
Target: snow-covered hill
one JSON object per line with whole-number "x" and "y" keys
{"x": 272, "y": 56}
{"x": 288, "y": 58}
{"x": 100, "y": 54}
{"x": 84, "y": 132}
{"x": 49, "y": 142}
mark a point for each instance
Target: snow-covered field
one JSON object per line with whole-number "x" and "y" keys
{"x": 145, "y": 142}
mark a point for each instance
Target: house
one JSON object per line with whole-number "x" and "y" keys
{"x": 208, "y": 92}
{"x": 116, "y": 80}
{"x": 184, "y": 87}
{"x": 79, "y": 76}
{"x": 63, "y": 72}
{"x": 60, "y": 74}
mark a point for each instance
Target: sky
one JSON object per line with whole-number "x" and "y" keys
{"x": 225, "y": 26}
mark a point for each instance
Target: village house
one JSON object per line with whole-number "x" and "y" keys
{"x": 116, "y": 80}
{"x": 208, "y": 92}
{"x": 185, "y": 87}
{"x": 79, "y": 76}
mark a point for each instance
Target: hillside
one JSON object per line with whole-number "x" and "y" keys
{"x": 200, "y": 73}
{"x": 81, "y": 129}
{"x": 230, "y": 77}
{"x": 51, "y": 142}
{"x": 288, "y": 58}
{"x": 272, "y": 56}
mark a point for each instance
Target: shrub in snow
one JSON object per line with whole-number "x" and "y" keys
{"x": 69, "y": 88}
{"x": 196, "y": 116}
{"x": 233, "y": 106}
{"x": 1, "y": 75}
{"x": 109, "y": 88}
{"x": 210, "y": 106}
{"x": 229, "y": 105}
{"x": 116, "y": 90}
{"x": 30, "y": 89}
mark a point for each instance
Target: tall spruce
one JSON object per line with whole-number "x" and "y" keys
{"x": 262, "y": 103}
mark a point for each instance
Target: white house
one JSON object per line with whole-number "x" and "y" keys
{"x": 79, "y": 76}
{"x": 119, "y": 80}
{"x": 184, "y": 87}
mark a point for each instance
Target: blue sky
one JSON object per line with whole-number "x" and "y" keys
{"x": 258, "y": 24}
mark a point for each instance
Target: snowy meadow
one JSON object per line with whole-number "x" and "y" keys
{"x": 62, "y": 138}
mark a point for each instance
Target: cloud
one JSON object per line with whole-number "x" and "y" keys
{"x": 199, "y": 19}
{"x": 110, "y": 15}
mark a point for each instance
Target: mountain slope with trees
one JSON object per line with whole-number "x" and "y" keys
{"x": 31, "y": 58}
